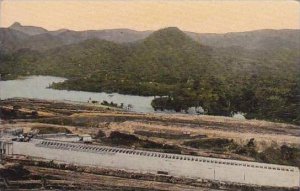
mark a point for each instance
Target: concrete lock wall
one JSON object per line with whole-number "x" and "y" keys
{"x": 6, "y": 147}
{"x": 152, "y": 162}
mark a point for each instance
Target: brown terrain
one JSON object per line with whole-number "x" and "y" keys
{"x": 220, "y": 137}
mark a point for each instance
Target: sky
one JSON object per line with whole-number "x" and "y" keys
{"x": 207, "y": 16}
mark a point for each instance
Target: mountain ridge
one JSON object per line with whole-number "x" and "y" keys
{"x": 258, "y": 39}
{"x": 30, "y": 30}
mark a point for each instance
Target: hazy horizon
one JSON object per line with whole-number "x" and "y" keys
{"x": 193, "y": 16}
{"x": 148, "y": 30}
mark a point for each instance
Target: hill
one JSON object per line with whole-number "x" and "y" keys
{"x": 168, "y": 55}
{"x": 41, "y": 39}
{"x": 29, "y": 30}
{"x": 11, "y": 40}
{"x": 259, "y": 39}
{"x": 251, "y": 40}
{"x": 261, "y": 82}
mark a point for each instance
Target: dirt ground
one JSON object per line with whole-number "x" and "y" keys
{"x": 90, "y": 118}
{"x": 35, "y": 174}
{"x": 213, "y": 136}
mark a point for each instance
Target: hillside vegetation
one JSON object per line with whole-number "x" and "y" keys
{"x": 262, "y": 81}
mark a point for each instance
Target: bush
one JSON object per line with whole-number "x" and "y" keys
{"x": 118, "y": 138}
{"x": 100, "y": 134}
{"x": 284, "y": 155}
{"x": 217, "y": 144}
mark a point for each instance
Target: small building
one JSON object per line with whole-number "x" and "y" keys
{"x": 86, "y": 138}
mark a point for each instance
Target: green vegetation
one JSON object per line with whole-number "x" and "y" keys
{"x": 13, "y": 171}
{"x": 284, "y": 155}
{"x": 215, "y": 144}
{"x": 112, "y": 104}
{"x": 117, "y": 138}
{"x": 263, "y": 83}
{"x": 16, "y": 113}
{"x": 100, "y": 134}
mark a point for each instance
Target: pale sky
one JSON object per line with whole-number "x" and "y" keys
{"x": 218, "y": 16}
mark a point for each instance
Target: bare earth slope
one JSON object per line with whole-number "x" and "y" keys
{"x": 220, "y": 137}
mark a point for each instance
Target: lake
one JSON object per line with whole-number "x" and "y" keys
{"x": 37, "y": 87}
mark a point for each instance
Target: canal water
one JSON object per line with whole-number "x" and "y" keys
{"x": 37, "y": 87}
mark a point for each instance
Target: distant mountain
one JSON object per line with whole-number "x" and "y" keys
{"x": 259, "y": 39}
{"x": 30, "y": 30}
{"x": 41, "y": 42}
{"x": 252, "y": 40}
{"x": 69, "y": 36}
{"x": 164, "y": 56}
{"x": 113, "y": 35}
{"x": 11, "y": 40}
{"x": 41, "y": 39}
{"x": 119, "y": 35}
{"x": 163, "y": 51}
{"x": 156, "y": 54}
{"x": 169, "y": 54}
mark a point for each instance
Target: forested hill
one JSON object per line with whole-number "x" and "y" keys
{"x": 261, "y": 82}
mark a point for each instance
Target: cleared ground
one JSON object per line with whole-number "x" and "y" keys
{"x": 220, "y": 137}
